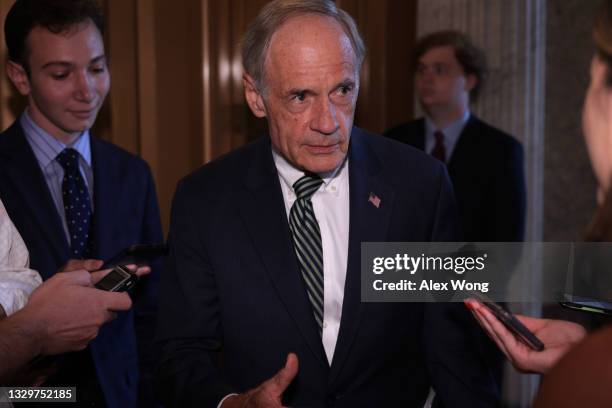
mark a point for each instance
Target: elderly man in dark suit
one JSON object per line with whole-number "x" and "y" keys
{"x": 72, "y": 196}
{"x": 265, "y": 246}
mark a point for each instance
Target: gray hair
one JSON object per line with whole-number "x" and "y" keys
{"x": 256, "y": 40}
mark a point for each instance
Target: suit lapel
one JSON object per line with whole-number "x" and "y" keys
{"x": 368, "y": 223}
{"x": 263, "y": 211}
{"x": 106, "y": 196}
{"x": 29, "y": 182}
{"x": 464, "y": 149}
{"x": 420, "y": 140}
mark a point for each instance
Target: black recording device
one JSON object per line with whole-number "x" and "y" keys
{"x": 139, "y": 254}
{"x": 119, "y": 279}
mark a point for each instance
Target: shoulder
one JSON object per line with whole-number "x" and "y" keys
{"x": 103, "y": 150}
{"x": 11, "y": 135}
{"x": 398, "y": 161}
{"x": 406, "y": 130}
{"x": 491, "y": 136}
{"x": 224, "y": 173}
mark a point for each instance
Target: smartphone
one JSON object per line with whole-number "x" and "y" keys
{"x": 587, "y": 305}
{"x": 139, "y": 254}
{"x": 120, "y": 279}
{"x": 513, "y": 324}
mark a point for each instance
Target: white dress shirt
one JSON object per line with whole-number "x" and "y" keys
{"x": 17, "y": 281}
{"x": 331, "y": 207}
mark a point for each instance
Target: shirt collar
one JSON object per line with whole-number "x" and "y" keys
{"x": 46, "y": 147}
{"x": 289, "y": 174}
{"x": 452, "y": 131}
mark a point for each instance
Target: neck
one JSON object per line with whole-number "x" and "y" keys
{"x": 443, "y": 116}
{"x": 42, "y": 122}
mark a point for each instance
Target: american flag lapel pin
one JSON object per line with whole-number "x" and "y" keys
{"x": 374, "y": 199}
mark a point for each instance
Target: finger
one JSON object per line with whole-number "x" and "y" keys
{"x": 76, "y": 264}
{"x": 79, "y": 277}
{"x": 285, "y": 375}
{"x": 71, "y": 265}
{"x": 491, "y": 332}
{"x": 139, "y": 270}
{"x": 92, "y": 264}
{"x": 98, "y": 275}
{"x": 115, "y": 301}
{"x": 507, "y": 340}
{"x": 143, "y": 270}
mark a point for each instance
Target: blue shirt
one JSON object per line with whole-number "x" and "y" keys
{"x": 46, "y": 148}
{"x": 451, "y": 134}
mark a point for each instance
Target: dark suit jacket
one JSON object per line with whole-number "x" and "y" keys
{"x": 125, "y": 213}
{"x": 486, "y": 169}
{"x": 233, "y": 285}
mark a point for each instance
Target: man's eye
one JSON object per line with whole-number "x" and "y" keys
{"x": 441, "y": 69}
{"x": 299, "y": 96}
{"x": 59, "y": 75}
{"x": 346, "y": 89}
{"x": 98, "y": 70}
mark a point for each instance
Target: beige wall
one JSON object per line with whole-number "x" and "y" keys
{"x": 176, "y": 96}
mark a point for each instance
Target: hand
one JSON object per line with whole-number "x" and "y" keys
{"x": 558, "y": 337}
{"x": 78, "y": 264}
{"x": 92, "y": 265}
{"x": 270, "y": 393}
{"x": 66, "y": 312}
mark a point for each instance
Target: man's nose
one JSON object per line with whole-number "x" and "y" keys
{"x": 326, "y": 120}
{"x": 84, "y": 87}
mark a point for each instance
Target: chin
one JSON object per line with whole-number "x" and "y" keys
{"x": 323, "y": 166}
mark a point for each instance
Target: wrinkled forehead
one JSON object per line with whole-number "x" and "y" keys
{"x": 309, "y": 39}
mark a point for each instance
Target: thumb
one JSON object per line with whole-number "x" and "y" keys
{"x": 285, "y": 375}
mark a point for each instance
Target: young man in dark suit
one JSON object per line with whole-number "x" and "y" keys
{"x": 484, "y": 163}
{"x": 72, "y": 196}
{"x": 265, "y": 245}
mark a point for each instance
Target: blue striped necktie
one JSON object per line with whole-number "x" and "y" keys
{"x": 307, "y": 241}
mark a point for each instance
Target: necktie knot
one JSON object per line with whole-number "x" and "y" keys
{"x": 69, "y": 160}
{"x": 307, "y": 185}
{"x": 439, "y": 136}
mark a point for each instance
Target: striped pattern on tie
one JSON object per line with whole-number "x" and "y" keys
{"x": 307, "y": 241}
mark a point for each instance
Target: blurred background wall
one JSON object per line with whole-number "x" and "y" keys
{"x": 176, "y": 95}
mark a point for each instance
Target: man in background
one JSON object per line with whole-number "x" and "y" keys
{"x": 73, "y": 196}
{"x": 484, "y": 163}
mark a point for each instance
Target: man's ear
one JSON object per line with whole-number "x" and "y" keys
{"x": 18, "y": 77}
{"x": 253, "y": 96}
{"x": 470, "y": 82}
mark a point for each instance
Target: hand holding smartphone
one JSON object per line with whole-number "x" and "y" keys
{"x": 556, "y": 337}
{"x": 517, "y": 328}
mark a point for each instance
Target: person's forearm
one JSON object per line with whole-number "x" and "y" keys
{"x": 19, "y": 343}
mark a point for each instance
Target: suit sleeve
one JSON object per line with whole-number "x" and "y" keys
{"x": 508, "y": 221}
{"x": 189, "y": 332}
{"x": 146, "y": 296}
{"x": 457, "y": 371}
